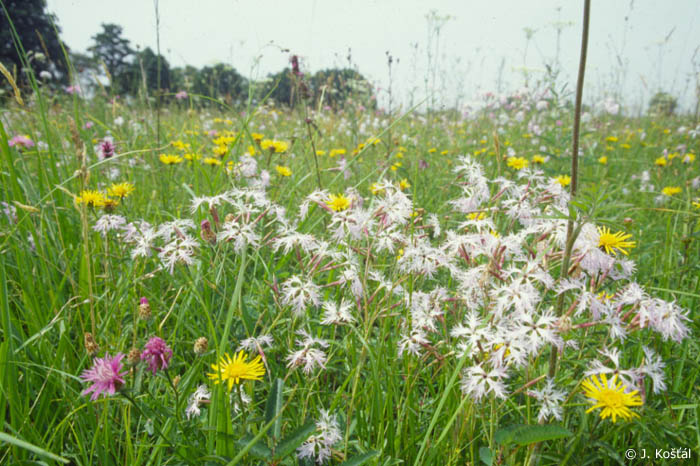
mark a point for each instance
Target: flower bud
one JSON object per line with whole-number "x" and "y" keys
{"x": 90, "y": 344}
{"x": 201, "y": 345}
{"x": 144, "y": 309}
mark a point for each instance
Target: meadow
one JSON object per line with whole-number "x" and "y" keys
{"x": 275, "y": 285}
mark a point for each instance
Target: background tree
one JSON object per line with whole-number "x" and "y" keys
{"x": 220, "y": 81}
{"x": 142, "y": 74}
{"x": 115, "y": 52}
{"x": 35, "y": 28}
{"x": 337, "y": 85}
{"x": 662, "y": 103}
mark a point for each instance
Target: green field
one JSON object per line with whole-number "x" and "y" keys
{"x": 395, "y": 282}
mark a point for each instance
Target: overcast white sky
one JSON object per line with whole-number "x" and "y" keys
{"x": 658, "y": 41}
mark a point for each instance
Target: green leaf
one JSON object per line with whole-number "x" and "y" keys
{"x": 273, "y": 407}
{"x": 486, "y": 456}
{"x": 358, "y": 460}
{"x": 294, "y": 440}
{"x": 258, "y": 449}
{"x": 33, "y": 448}
{"x": 520, "y": 434}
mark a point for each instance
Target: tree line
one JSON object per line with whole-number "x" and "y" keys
{"x": 112, "y": 66}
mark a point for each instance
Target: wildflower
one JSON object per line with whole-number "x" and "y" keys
{"x": 169, "y": 159}
{"x": 257, "y": 137}
{"x": 106, "y": 376}
{"x": 538, "y": 159}
{"x": 308, "y": 356}
{"x": 335, "y": 152}
{"x": 233, "y": 370}
{"x": 121, "y": 190}
{"x": 283, "y": 171}
{"x": 661, "y": 162}
{"x": 91, "y": 198}
{"x": 105, "y": 149}
{"x": 319, "y": 445}
{"x": 611, "y": 139}
{"x": 134, "y": 356}
{"x": 696, "y": 203}
{"x": 181, "y": 95}
{"x": 563, "y": 180}
{"x": 376, "y": 188}
{"x": 144, "y": 309}
{"x": 337, "y": 314}
{"x": 476, "y": 382}
{"x": 603, "y": 160}
{"x": 404, "y": 184}
{"x": 219, "y": 151}
{"x": 109, "y": 222}
{"x": 90, "y": 344}
{"x": 280, "y": 146}
{"x": 338, "y": 202}
{"x": 612, "y": 396}
{"x": 212, "y": 161}
{"x": 157, "y": 353}
{"x": 201, "y": 345}
{"x": 671, "y": 190}
{"x": 610, "y": 241}
{"x": 551, "y": 400}
{"x": 200, "y": 396}
{"x": 689, "y": 157}
{"x": 517, "y": 163}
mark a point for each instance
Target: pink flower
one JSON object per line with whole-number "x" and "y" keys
{"x": 181, "y": 95}
{"x": 157, "y": 353}
{"x": 22, "y": 141}
{"x": 105, "y": 375}
{"x": 88, "y": 125}
{"x": 73, "y": 89}
{"x": 106, "y": 149}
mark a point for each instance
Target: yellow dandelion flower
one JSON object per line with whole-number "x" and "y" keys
{"x": 221, "y": 150}
{"x": 399, "y": 155}
{"x": 404, "y": 184}
{"x": 191, "y": 156}
{"x": 563, "y": 180}
{"x": 257, "y": 137}
{"x": 283, "y": 171}
{"x": 180, "y": 145}
{"x": 232, "y": 371}
{"x": 671, "y": 190}
{"x": 625, "y": 146}
{"x": 335, "y": 152}
{"x": 91, "y": 198}
{"x": 320, "y": 152}
{"x": 661, "y": 162}
{"x": 603, "y": 160}
{"x": 517, "y": 163}
{"x": 110, "y": 203}
{"x": 251, "y": 150}
{"x": 476, "y": 216}
{"x": 689, "y": 158}
{"x": 444, "y": 152}
{"x": 212, "y": 161}
{"x": 696, "y": 203}
{"x": 170, "y": 159}
{"x": 610, "y": 242}
{"x": 121, "y": 190}
{"x": 611, "y": 139}
{"x": 432, "y": 150}
{"x": 612, "y": 396}
{"x": 266, "y": 144}
{"x": 538, "y": 159}
{"x": 280, "y": 147}
{"x": 338, "y": 202}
